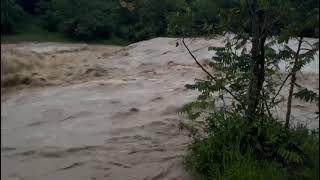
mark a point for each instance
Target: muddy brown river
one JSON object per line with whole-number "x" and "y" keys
{"x": 121, "y": 124}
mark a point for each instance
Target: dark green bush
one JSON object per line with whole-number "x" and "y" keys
{"x": 82, "y": 19}
{"x": 198, "y": 18}
{"x": 11, "y": 16}
{"x": 234, "y": 150}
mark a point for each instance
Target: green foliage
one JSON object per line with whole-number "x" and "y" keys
{"x": 11, "y": 16}
{"x": 32, "y": 32}
{"x": 151, "y": 21}
{"x": 228, "y": 145}
{"x": 81, "y": 19}
{"x": 247, "y": 168}
{"x": 29, "y": 6}
{"x": 231, "y": 68}
{"x": 307, "y": 95}
{"x": 300, "y": 19}
{"x": 197, "y": 18}
{"x": 234, "y": 150}
{"x": 180, "y": 23}
{"x": 136, "y": 20}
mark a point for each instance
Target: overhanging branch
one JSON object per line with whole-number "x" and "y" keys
{"x": 283, "y": 83}
{"x": 210, "y": 75}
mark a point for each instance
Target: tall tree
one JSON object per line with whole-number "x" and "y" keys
{"x": 260, "y": 22}
{"x": 302, "y": 21}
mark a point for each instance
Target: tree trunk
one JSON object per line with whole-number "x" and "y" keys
{"x": 292, "y": 83}
{"x": 257, "y": 67}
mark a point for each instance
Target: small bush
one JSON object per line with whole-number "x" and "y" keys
{"x": 233, "y": 150}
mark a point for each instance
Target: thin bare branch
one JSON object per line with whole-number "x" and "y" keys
{"x": 267, "y": 107}
{"x": 210, "y": 75}
{"x": 264, "y": 25}
{"x": 308, "y": 43}
{"x": 237, "y": 40}
{"x": 283, "y": 83}
{"x": 264, "y": 103}
{"x": 293, "y": 80}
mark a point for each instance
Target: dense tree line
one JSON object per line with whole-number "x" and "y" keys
{"x": 11, "y": 15}
{"x": 131, "y": 20}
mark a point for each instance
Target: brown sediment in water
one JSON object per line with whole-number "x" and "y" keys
{"x": 103, "y": 112}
